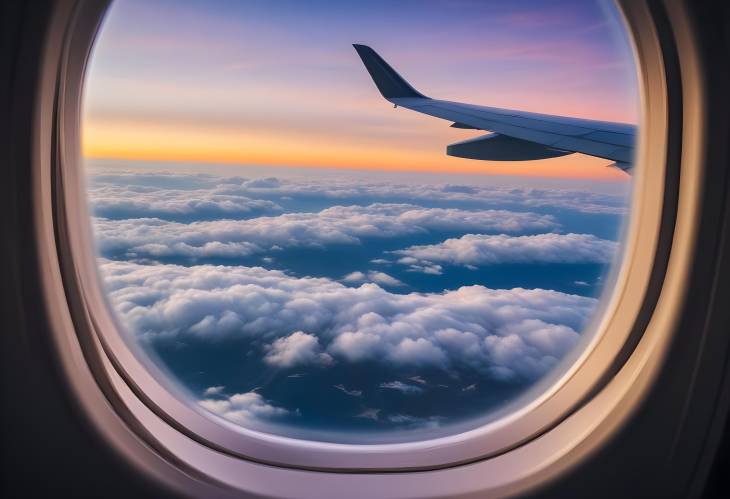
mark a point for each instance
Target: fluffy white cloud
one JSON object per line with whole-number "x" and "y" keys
{"x": 146, "y": 201}
{"x": 383, "y": 278}
{"x": 152, "y": 237}
{"x": 355, "y": 277}
{"x": 213, "y": 390}
{"x": 242, "y": 408}
{"x": 372, "y": 276}
{"x": 423, "y": 266}
{"x": 480, "y": 249}
{"x": 506, "y": 333}
{"x": 297, "y": 349}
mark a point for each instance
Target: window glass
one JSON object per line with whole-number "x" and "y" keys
{"x": 306, "y": 260}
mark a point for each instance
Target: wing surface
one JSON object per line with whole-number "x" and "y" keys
{"x": 514, "y": 135}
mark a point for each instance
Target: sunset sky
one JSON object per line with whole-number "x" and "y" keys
{"x": 278, "y": 83}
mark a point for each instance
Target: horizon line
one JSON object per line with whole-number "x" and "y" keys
{"x": 613, "y": 176}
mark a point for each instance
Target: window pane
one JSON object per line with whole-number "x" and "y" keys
{"x": 308, "y": 261}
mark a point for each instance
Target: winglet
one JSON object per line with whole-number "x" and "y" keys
{"x": 389, "y": 82}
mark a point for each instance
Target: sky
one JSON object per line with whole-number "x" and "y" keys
{"x": 278, "y": 83}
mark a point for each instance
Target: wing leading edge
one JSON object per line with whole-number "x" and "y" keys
{"x": 514, "y": 135}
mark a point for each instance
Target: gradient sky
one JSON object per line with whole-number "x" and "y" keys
{"x": 278, "y": 82}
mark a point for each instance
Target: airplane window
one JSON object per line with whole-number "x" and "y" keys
{"x": 359, "y": 222}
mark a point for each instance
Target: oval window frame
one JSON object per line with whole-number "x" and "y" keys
{"x": 618, "y": 363}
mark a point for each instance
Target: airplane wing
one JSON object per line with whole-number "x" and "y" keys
{"x": 514, "y": 135}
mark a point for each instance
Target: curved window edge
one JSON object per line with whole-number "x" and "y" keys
{"x": 576, "y": 416}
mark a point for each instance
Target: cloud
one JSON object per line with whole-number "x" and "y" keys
{"x": 402, "y": 387}
{"x": 165, "y": 193}
{"x": 159, "y": 195}
{"x": 242, "y": 408}
{"x": 152, "y": 237}
{"x": 481, "y": 249}
{"x": 372, "y": 276}
{"x": 213, "y": 390}
{"x": 356, "y": 346}
{"x": 581, "y": 201}
{"x": 383, "y": 278}
{"x": 417, "y": 352}
{"x": 262, "y": 183}
{"x": 161, "y": 179}
{"x": 352, "y": 393}
{"x": 507, "y": 334}
{"x": 355, "y": 277}
{"x": 411, "y": 422}
{"x": 297, "y": 349}
{"x": 343, "y": 188}
{"x": 415, "y": 265}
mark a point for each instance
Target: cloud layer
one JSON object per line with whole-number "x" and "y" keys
{"x": 481, "y": 249}
{"x": 505, "y": 334}
{"x": 144, "y": 201}
{"x": 160, "y": 194}
{"x": 152, "y": 237}
{"x": 380, "y": 345}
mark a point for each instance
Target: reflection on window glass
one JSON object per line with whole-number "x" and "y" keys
{"x": 308, "y": 261}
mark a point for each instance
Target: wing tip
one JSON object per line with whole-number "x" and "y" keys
{"x": 390, "y": 84}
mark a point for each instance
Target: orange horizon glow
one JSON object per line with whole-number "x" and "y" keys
{"x": 134, "y": 141}
{"x": 576, "y": 166}
{"x": 598, "y": 172}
